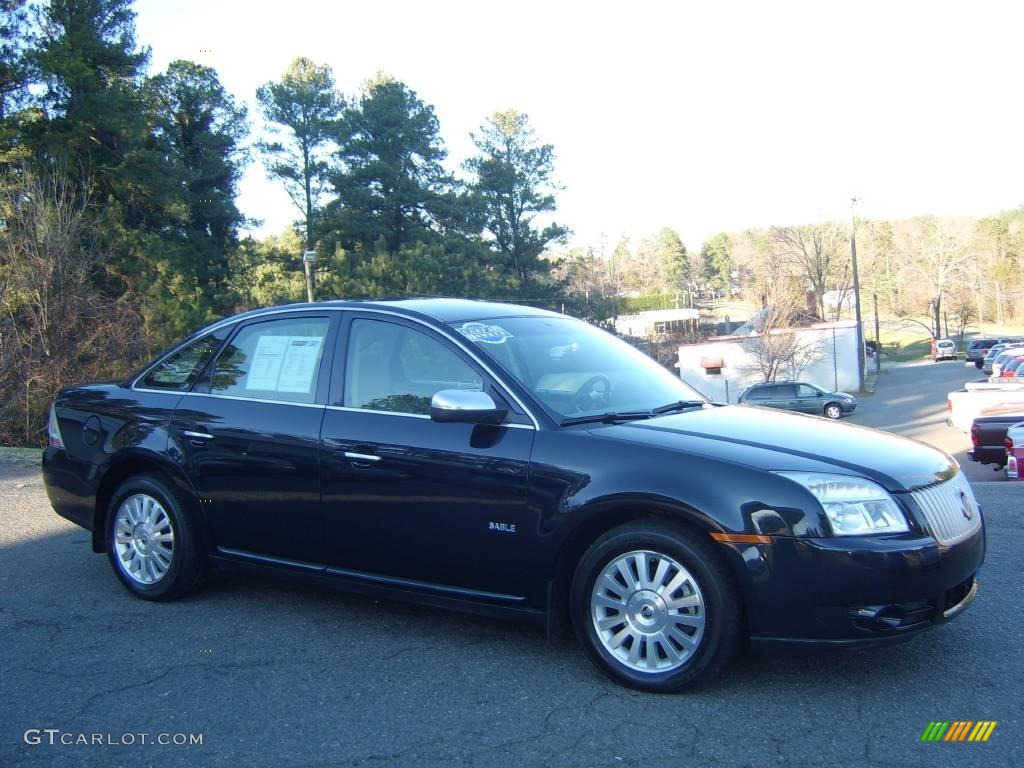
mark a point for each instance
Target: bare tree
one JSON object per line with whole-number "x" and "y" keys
{"x": 941, "y": 257}
{"x": 816, "y": 251}
{"x": 775, "y": 345}
{"x": 56, "y": 327}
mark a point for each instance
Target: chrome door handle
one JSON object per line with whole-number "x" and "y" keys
{"x": 361, "y": 456}
{"x": 197, "y": 435}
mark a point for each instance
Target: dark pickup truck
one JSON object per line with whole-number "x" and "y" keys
{"x": 988, "y": 435}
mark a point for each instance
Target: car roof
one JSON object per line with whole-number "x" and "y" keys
{"x": 439, "y": 309}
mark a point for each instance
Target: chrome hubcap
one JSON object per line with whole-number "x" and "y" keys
{"x": 143, "y": 539}
{"x": 648, "y": 611}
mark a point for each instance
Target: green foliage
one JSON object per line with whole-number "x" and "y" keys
{"x": 303, "y": 108}
{"x": 195, "y": 161}
{"x": 716, "y": 261}
{"x": 673, "y": 260}
{"x": 454, "y": 268}
{"x": 391, "y": 188}
{"x": 513, "y": 186}
{"x": 91, "y": 69}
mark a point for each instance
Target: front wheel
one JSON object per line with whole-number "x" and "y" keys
{"x": 833, "y": 411}
{"x": 655, "y": 607}
{"x": 151, "y": 543}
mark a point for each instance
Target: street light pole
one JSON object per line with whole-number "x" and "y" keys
{"x": 856, "y": 292}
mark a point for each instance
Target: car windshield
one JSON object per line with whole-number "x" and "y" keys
{"x": 574, "y": 369}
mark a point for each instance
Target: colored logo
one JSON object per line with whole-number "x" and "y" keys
{"x": 959, "y": 730}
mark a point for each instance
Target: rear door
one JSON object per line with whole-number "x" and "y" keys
{"x": 809, "y": 399}
{"x": 407, "y": 498}
{"x": 249, "y": 436}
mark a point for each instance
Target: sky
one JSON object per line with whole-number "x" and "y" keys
{"x": 700, "y": 116}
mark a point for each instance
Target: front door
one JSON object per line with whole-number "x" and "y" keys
{"x": 249, "y": 435}
{"x": 408, "y": 498}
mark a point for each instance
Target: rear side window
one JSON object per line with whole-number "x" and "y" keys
{"x": 759, "y": 393}
{"x": 273, "y": 360}
{"x": 179, "y": 372}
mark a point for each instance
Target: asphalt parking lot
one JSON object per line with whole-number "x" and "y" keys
{"x": 272, "y": 674}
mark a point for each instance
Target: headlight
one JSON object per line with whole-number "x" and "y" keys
{"x": 854, "y": 506}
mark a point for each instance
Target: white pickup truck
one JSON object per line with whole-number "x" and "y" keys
{"x": 979, "y": 398}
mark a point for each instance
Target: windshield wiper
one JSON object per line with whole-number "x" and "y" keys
{"x": 679, "y": 405}
{"x": 607, "y": 418}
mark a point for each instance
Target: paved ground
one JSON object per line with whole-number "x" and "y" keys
{"x": 276, "y": 675}
{"x": 910, "y": 399}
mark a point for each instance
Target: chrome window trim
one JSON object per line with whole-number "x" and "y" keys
{"x": 353, "y": 308}
{"x": 350, "y": 409}
{"x": 232, "y": 397}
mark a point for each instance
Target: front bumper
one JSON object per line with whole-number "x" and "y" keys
{"x": 856, "y": 590}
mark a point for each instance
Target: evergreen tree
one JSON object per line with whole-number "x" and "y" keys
{"x": 513, "y": 186}
{"x": 390, "y": 184}
{"x": 303, "y": 109}
{"x": 91, "y": 69}
{"x": 195, "y": 135}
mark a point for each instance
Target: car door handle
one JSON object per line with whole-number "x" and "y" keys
{"x": 364, "y": 457}
{"x": 197, "y": 435}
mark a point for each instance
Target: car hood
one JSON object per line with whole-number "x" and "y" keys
{"x": 769, "y": 439}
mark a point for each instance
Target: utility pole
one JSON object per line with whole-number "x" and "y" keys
{"x": 309, "y": 264}
{"x": 856, "y": 292}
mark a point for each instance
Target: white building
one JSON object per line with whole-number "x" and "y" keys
{"x": 723, "y": 367}
{"x": 646, "y": 325}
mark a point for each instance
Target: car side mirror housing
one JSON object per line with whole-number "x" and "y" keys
{"x": 468, "y": 406}
{"x": 821, "y": 394}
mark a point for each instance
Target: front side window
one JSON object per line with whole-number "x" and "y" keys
{"x": 179, "y": 372}
{"x": 273, "y": 360}
{"x": 806, "y": 390}
{"x": 391, "y": 367}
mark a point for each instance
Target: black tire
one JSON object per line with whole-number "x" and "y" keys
{"x": 723, "y": 622}
{"x": 187, "y": 562}
{"x": 979, "y": 364}
{"x": 833, "y": 411}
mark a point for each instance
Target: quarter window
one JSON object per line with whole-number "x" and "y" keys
{"x": 394, "y": 368}
{"x": 273, "y": 360}
{"x": 179, "y": 371}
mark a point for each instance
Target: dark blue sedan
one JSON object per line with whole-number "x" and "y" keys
{"x": 517, "y": 463}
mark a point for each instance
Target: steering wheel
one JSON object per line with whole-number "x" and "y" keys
{"x": 593, "y": 395}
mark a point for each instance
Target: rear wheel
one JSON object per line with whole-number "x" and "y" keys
{"x": 151, "y": 544}
{"x": 833, "y": 411}
{"x": 979, "y": 364}
{"x": 655, "y": 607}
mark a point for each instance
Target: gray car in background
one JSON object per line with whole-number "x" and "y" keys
{"x": 799, "y": 396}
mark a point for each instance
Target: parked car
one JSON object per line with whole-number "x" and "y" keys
{"x": 1010, "y": 367}
{"x": 514, "y": 462}
{"x": 991, "y": 355}
{"x": 1015, "y": 452}
{"x": 977, "y": 349}
{"x": 988, "y": 437}
{"x": 943, "y": 349}
{"x": 799, "y": 396}
{"x": 1003, "y": 358}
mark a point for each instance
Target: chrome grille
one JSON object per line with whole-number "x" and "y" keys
{"x": 943, "y": 506}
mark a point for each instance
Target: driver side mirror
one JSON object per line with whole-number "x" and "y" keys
{"x": 469, "y": 406}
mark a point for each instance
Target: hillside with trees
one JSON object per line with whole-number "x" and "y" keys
{"x": 120, "y": 229}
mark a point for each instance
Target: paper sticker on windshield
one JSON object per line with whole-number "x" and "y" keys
{"x": 484, "y": 334}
